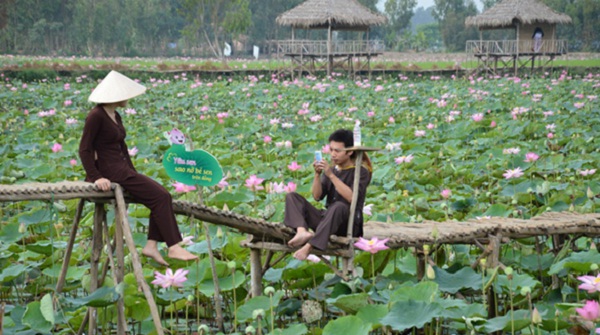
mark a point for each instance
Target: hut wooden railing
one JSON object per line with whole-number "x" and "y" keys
{"x": 515, "y": 47}
{"x": 319, "y": 47}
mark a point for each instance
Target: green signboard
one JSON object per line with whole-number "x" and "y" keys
{"x": 196, "y": 167}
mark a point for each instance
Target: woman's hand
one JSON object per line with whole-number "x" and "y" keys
{"x": 103, "y": 184}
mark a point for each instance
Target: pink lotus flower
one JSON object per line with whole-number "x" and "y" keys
{"x": 370, "y": 114}
{"x": 404, "y": 159}
{"x": 130, "y": 111}
{"x": 477, "y": 117}
{"x": 170, "y": 279}
{"x": 267, "y": 139}
{"x": 57, "y": 147}
{"x": 367, "y": 209}
{"x": 253, "y": 183}
{"x": 71, "y": 121}
{"x": 183, "y": 188}
{"x": 290, "y": 187}
{"x": 275, "y": 188}
{"x": 391, "y": 120}
{"x": 446, "y": 193}
{"x": 516, "y": 173}
{"x": 188, "y": 240}
{"x": 587, "y": 172}
{"x": 73, "y": 162}
{"x": 373, "y": 245}
{"x": 393, "y": 146}
{"x": 531, "y": 157}
{"x": 511, "y": 151}
{"x": 550, "y": 135}
{"x": 493, "y": 124}
{"x": 430, "y": 126}
{"x": 133, "y": 151}
{"x": 590, "y": 311}
{"x": 419, "y": 133}
{"x": 551, "y": 126}
{"x": 326, "y": 149}
{"x": 68, "y": 103}
{"x": 223, "y": 183}
{"x": 590, "y": 283}
{"x": 294, "y": 166}
{"x": 274, "y": 121}
{"x": 579, "y": 105}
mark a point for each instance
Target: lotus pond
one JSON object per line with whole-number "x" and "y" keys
{"x": 452, "y": 149}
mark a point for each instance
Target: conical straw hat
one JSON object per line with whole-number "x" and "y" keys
{"x": 116, "y": 87}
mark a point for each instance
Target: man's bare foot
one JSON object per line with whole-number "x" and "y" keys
{"x": 177, "y": 252}
{"x": 302, "y": 236}
{"x": 152, "y": 252}
{"x": 302, "y": 253}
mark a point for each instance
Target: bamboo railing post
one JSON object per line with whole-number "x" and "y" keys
{"x": 99, "y": 218}
{"x": 65, "y": 266}
{"x": 120, "y": 213}
{"x": 255, "y": 272}
{"x": 135, "y": 260}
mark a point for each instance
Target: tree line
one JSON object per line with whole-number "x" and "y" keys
{"x": 201, "y": 27}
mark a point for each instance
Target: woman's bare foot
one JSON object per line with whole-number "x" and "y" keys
{"x": 151, "y": 250}
{"x": 302, "y": 236}
{"x": 177, "y": 252}
{"x": 302, "y": 253}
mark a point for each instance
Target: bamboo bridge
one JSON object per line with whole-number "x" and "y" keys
{"x": 272, "y": 237}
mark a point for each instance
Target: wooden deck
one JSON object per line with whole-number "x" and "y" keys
{"x": 495, "y": 56}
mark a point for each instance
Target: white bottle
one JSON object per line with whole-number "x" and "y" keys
{"x": 356, "y": 133}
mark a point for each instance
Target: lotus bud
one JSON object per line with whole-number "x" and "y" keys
{"x": 225, "y": 208}
{"x": 231, "y": 265}
{"x": 482, "y": 262}
{"x": 435, "y": 233}
{"x": 22, "y": 228}
{"x": 258, "y": 313}
{"x": 571, "y": 208}
{"x": 525, "y": 290}
{"x": 269, "y": 290}
{"x": 590, "y": 194}
{"x": 430, "y": 273}
{"x": 250, "y": 330}
{"x": 536, "y": 318}
{"x": 426, "y": 249}
{"x": 219, "y": 232}
{"x": 203, "y": 329}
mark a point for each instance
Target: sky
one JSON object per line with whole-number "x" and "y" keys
{"x": 429, "y": 3}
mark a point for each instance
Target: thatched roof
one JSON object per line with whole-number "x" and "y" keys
{"x": 527, "y": 12}
{"x": 341, "y": 14}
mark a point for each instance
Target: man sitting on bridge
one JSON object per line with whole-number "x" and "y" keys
{"x": 335, "y": 184}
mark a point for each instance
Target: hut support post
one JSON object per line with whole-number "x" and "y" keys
{"x": 329, "y": 51}
{"x": 255, "y": 272}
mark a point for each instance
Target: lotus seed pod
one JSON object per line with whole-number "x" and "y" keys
{"x": 525, "y": 290}
{"x": 311, "y": 311}
{"x": 269, "y": 290}
{"x": 250, "y": 330}
{"x": 203, "y": 329}
{"x": 482, "y": 262}
{"x": 231, "y": 265}
{"x": 594, "y": 267}
{"x": 508, "y": 271}
{"x": 190, "y": 297}
{"x": 258, "y": 313}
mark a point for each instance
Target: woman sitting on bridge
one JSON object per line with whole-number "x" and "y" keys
{"x": 105, "y": 158}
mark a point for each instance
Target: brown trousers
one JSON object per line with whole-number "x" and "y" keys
{"x": 162, "y": 226}
{"x": 325, "y": 222}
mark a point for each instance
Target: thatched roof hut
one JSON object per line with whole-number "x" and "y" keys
{"x": 509, "y": 13}
{"x": 331, "y": 14}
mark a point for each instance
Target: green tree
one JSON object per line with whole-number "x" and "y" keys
{"x": 451, "y": 15}
{"x": 399, "y": 13}
{"x": 216, "y": 21}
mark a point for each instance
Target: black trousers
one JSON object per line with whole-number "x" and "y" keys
{"x": 325, "y": 222}
{"x": 162, "y": 226}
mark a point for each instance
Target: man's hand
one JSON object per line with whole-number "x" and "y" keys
{"x": 324, "y": 167}
{"x": 103, "y": 184}
{"x": 317, "y": 167}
